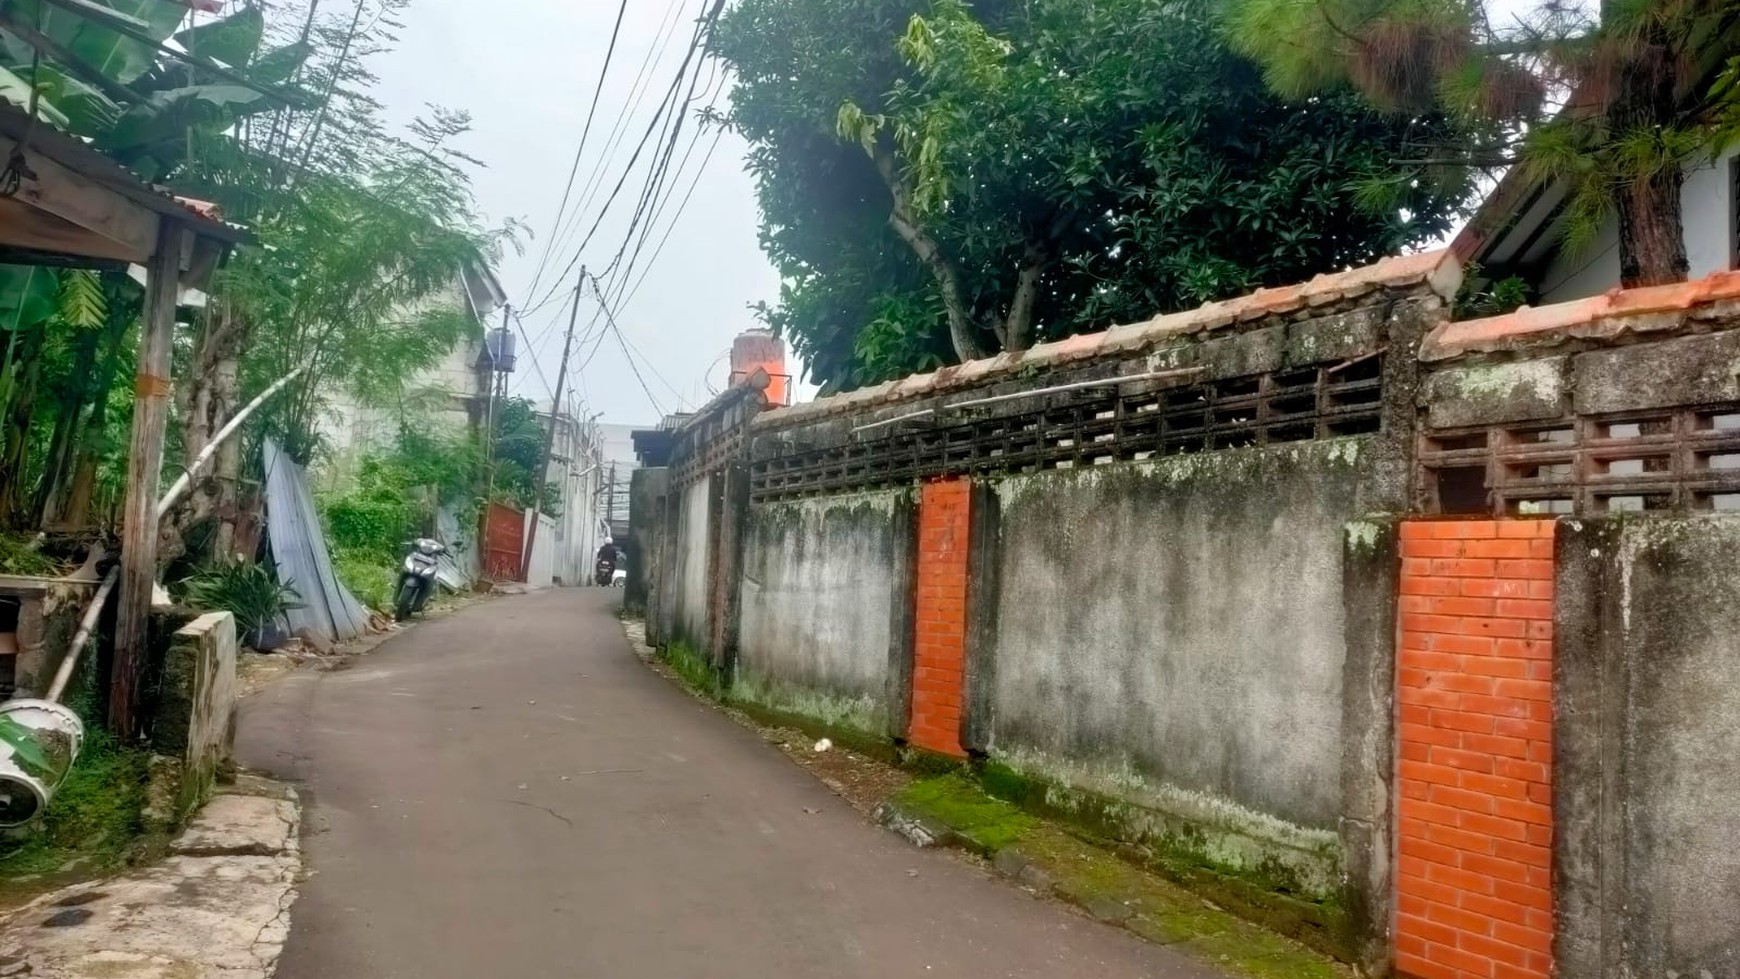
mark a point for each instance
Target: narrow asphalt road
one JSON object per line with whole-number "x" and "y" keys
{"x": 510, "y": 793}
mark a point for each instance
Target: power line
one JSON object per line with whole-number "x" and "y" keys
{"x": 696, "y": 43}
{"x": 610, "y": 322}
{"x": 647, "y": 208}
{"x": 631, "y": 105}
{"x": 624, "y": 300}
{"x": 580, "y": 150}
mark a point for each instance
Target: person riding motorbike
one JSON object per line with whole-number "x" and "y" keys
{"x": 605, "y": 568}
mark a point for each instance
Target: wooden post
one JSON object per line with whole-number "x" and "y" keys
{"x": 151, "y": 391}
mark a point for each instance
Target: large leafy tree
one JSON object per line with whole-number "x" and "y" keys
{"x": 1612, "y": 98}
{"x": 940, "y": 181}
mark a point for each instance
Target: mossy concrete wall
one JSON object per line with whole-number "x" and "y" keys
{"x": 1647, "y": 757}
{"x": 48, "y": 616}
{"x": 193, "y": 722}
{"x": 819, "y": 585}
{"x": 688, "y": 554}
{"x": 1170, "y": 633}
{"x": 647, "y": 489}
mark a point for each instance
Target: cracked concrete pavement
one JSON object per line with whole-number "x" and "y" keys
{"x": 217, "y": 908}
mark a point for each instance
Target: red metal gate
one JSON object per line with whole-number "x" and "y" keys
{"x": 504, "y": 542}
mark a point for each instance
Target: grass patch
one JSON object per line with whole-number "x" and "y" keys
{"x": 369, "y": 576}
{"x": 694, "y": 669}
{"x": 17, "y": 556}
{"x": 1090, "y": 875}
{"x": 95, "y": 815}
{"x": 953, "y": 800}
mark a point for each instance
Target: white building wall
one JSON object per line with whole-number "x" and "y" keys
{"x": 450, "y": 388}
{"x": 1707, "y": 212}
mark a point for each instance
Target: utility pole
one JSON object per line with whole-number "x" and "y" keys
{"x": 496, "y": 380}
{"x": 610, "y": 501}
{"x": 543, "y": 473}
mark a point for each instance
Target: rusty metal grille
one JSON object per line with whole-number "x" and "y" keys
{"x": 1679, "y": 460}
{"x": 1096, "y": 427}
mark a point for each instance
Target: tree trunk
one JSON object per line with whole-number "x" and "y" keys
{"x": 75, "y": 513}
{"x": 1018, "y": 325}
{"x": 15, "y": 436}
{"x": 1652, "y": 240}
{"x": 963, "y": 326}
{"x": 207, "y": 403}
{"x": 57, "y": 466}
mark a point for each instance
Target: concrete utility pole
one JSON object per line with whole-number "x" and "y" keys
{"x": 543, "y": 474}
{"x": 610, "y": 501}
{"x": 496, "y": 380}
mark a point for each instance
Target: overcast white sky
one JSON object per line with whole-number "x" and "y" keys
{"x": 525, "y": 70}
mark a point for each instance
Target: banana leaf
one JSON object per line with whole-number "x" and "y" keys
{"x": 107, "y": 50}
{"x": 16, "y": 90}
{"x": 169, "y": 115}
{"x": 274, "y": 67}
{"x": 29, "y": 294}
{"x": 232, "y": 40}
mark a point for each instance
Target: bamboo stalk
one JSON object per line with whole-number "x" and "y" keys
{"x": 182, "y": 485}
{"x": 87, "y": 625}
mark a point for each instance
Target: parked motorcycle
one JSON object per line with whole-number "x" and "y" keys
{"x": 417, "y": 578}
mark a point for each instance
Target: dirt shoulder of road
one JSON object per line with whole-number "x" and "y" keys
{"x": 256, "y": 671}
{"x": 1047, "y": 859}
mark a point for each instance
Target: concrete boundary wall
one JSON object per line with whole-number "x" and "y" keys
{"x": 1647, "y": 790}
{"x": 819, "y": 632}
{"x": 1192, "y": 617}
{"x": 1171, "y": 634}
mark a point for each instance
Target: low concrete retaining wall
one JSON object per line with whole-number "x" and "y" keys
{"x": 194, "y": 722}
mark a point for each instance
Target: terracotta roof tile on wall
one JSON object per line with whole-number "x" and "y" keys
{"x": 1436, "y": 270}
{"x": 1612, "y": 314}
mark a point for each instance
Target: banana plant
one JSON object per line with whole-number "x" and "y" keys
{"x": 131, "y": 99}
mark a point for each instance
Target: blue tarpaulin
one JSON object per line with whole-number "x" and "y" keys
{"x": 299, "y": 551}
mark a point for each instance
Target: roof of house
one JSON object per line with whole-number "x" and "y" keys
{"x": 1611, "y": 315}
{"x": 1438, "y": 271}
{"x": 79, "y": 156}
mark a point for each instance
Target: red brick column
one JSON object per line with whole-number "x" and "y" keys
{"x": 1474, "y": 896}
{"x": 939, "y": 652}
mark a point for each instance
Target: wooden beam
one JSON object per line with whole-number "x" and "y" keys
{"x": 26, "y": 228}
{"x": 84, "y": 202}
{"x": 151, "y": 392}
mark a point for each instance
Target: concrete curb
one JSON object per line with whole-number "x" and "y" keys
{"x": 217, "y": 906}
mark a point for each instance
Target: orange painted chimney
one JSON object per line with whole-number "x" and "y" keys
{"x": 760, "y": 348}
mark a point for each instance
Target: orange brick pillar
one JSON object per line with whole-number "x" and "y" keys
{"x": 940, "y": 619}
{"x": 1474, "y": 897}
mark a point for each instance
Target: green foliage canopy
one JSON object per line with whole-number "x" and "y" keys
{"x": 938, "y": 181}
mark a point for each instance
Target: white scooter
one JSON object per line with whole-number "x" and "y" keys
{"x": 417, "y": 578}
